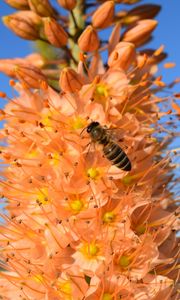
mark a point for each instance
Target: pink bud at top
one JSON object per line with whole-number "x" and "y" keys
{"x": 42, "y": 8}
{"x": 104, "y": 15}
{"x": 67, "y": 4}
{"x": 122, "y": 56}
{"x": 25, "y": 24}
{"x": 70, "y": 80}
{"x": 88, "y": 40}
{"x": 18, "y": 4}
{"x": 141, "y": 32}
{"x": 29, "y": 75}
{"x": 54, "y": 32}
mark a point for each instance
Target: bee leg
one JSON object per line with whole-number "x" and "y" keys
{"x": 89, "y": 147}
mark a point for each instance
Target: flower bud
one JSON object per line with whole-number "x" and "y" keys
{"x": 70, "y": 80}
{"x": 88, "y": 40}
{"x": 7, "y": 65}
{"x": 152, "y": 58}
{"x": 29, "y": 75}
{"x": 122, "y": 56}
{"x": 18, "y": 4}
{"x": 104, "y": 15}
{"x": 140, "y": 33}
{"x": 128, "y": 1}
{"x": 147, "y": 11}
{"x": 25, "y": 24}
{"x": 54, "y": 32}
{"x": 42, "y": 8}
{"x": 67, "y": 4}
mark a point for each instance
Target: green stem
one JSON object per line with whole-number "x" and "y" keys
{"x": 76, "y": 26}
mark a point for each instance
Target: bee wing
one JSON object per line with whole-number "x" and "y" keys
{"x": 116, "y": 134}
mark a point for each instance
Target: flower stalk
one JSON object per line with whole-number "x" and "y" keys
{"x": 87, "y": 178}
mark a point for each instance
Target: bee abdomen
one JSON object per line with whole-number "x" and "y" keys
{"x": 117, "y": 156}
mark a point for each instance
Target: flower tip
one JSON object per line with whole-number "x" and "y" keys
{"x": 5, "y": 20}
{"x": 54, "y": 32}
{"x": 88, "y": 40}
{"x": 70, "y": 80}
{"x": 140, "y": 32}
{"x": 122, "y": 56}
{"x": 104, "y": 15}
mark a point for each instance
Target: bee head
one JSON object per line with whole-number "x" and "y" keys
{"x": 91, "y": 126}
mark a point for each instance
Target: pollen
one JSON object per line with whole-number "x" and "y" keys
{"x": 101, "y": 90}
{"x": 43, "y": 196}
{"x": 124, "y": 261}
{"x": 93, "y": 173}
{"x": 46, "y": 119}
{"x": 38, "y": 278}
{"x": 76, "y": 205}
{"x": 90, "y": 250}
{"x": 78, "y": 123}
{"x": 65, "y": 287}
{"x": 108, "y": 217}
{"x": 55, "y": 158}
{"x": 32, "y": 154}
{"x": 101, "y": 94}
{"x": 107, "y": 296}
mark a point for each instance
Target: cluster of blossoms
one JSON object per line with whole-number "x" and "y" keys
{"x": 78, "y": 227}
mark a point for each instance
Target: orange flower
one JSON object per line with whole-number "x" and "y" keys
{"x": 79, "y": 227}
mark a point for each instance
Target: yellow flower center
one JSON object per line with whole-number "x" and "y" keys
{"x": 93, "y": 173}
{"x": 55, "y": 158}
{"x": 101, "y": 94}
{"x": 38, "y": 278}
{"x": 90, "y": 250}
{"x": 124, "y": 261}
{"x": 43, "y": 196}
{"x": 107, "y": 296}
{"x": 78, "y": 123}
{"x": 101, "y": 90}
{"x": 65, "y": 287}
{"x": 76, "y": 205}
{"x": 32, "y": 154}
{"x": 108, "y": 217}
{"x": 46, "y": 121}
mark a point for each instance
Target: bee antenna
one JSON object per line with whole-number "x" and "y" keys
{"x": 83, "y": 130}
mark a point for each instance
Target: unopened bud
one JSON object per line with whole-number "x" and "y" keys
{"x": 152, "y": 58}
{"x": 104, "y": 15}
{"x": 25, "y": 24}
{"x": 54, "y": 32}
{"x": 122, "y": 56}
{"x": 128, "y": 1}
{"x": 42, "y": 8}
{"x": 18, "y": 4}
{"x": 147, "y": 11}
{"x": 29, "y": 75}
{"x": 7, "y": 65}
{"x": 70, "y": 80}
{"x": 140, "y": 33}
{"x": 35, "y": 59}
{"x": 67, "y": 4}
{"x": 88, "y": 40}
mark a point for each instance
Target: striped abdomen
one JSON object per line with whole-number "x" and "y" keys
{"x": 117, "y": 156}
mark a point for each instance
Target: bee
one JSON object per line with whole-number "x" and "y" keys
{"x": 112, "y": 151}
